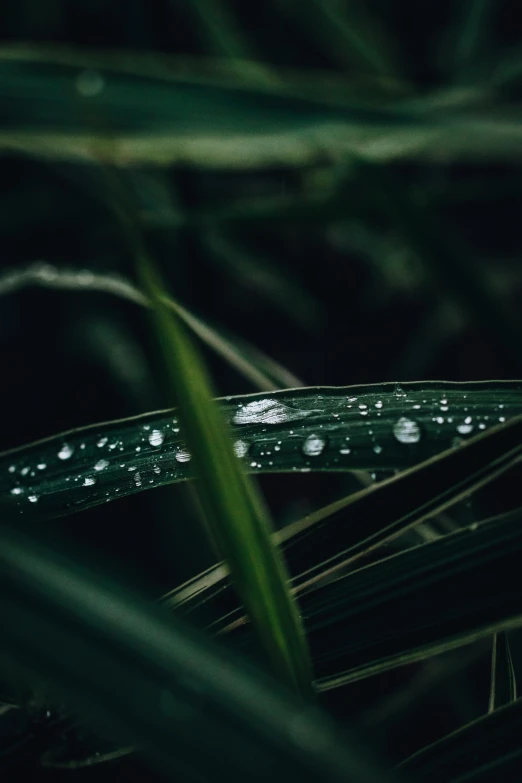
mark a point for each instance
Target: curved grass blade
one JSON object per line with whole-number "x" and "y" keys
{"x": 220, "y": 122}
{"x": 236, "y": 517}
{"x": 142, "y": 678}
{"x": 261, "y": 370}
{"x": 376, "y": 427}
{"x": 486, "y": 750}
{"x": 503, "y": 688}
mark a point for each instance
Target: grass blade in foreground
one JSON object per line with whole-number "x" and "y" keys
{"x": 375, "y": 427}
{"x": 143, "y": 678}
{"x": 233, "y": 510}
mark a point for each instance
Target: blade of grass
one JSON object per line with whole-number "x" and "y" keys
{"x": 376, "y": 427}
{"x": 258, "y": 368}
{"x": 233, "y": 510}
{"x": 488, "y": 749}
{"x": 503, "y": 689}
{"x": 195, "y": 710}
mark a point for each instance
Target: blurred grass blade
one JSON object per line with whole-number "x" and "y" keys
{"x": 487, "y": 750}
{"x": 475, "y": 27}
{"x": 235, "y": 514}
{"x": 375, "y": 427}
{"x": 153, "y": 114}
{"x": 503, "y": 689}
{"x": 262, "y": 371}
{"x": 142, "y": 678}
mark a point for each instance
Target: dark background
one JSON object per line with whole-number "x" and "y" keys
{"x": 338, "y": 299}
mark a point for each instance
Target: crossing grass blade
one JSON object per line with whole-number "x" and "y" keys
{"x": 486, "y": 750}
{"x": 233, "y": 510}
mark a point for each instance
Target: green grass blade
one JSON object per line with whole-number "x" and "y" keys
{"x": 233, "y": 510}
{"x": 376, "y": 427}
{"x": 159, "y": 116}
{"x": 138, "y": 676}
{"x": 336, "y": 536}
{"x": 486, "y": 750}
{"x": 503, "y": 689}
{"x": 261, "y": 370}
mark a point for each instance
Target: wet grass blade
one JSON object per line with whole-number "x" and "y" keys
{"x": 503, "y": 688}
{"x": 376, "y": 427}
{"x": 142, "y": 678}
{"x": 237, "y": 520}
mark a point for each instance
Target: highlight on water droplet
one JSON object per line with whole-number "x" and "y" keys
{"x": 101, "y": 464}
{"x": 156, "y": 437}
{"x": 65, "y": 452}
{"x": 17, "y": 491}
{"x": 399, "y": 391}
{"x": 182, "y": 455}
{"x": 240, "y": 448}
{"x": 32, "y": 498}
{"x": 102, "y": 442}
{"x": 314, "y": 445}
{"x": 377, "y": 449}
{"x": 406, "y": 430}
{"x": 89, "y": 481}
{"x": 267, "y": 411}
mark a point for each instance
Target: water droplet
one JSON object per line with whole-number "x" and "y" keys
{"x": 156, "y": 438}
{"x": 416, "y": 407}
{"x": 25, "y": 471}
{"x": 267, "y": 412}
{"x": 406, "y": 430}
{"x": 32, "y": 498}
{"x": 90, "y": 83}
{"x": 12, "y": 468}
{"x": 182, "y": 455}
{"x": 482, "y": 426}
{"x": 253, "y": 464}
{"x": 439, "y": 419}
{"x": 137, "y": 479}
{"x": 464, "y": 429}
{"x": 306, "y": 470}
{"x": 352, "y": 399}
{"x": 344, "y": 451}
{"x": 41, "y": 466}
{"x": 65, "y": 452}
{"x": 156, "y": 469}
{"x": 399, "y": 391}
{"x": 314, "y": 445}
{"x": 240, "y": 448}
{"x": 468, "y": 420}
{"x": 89, "y": 481}
{"x": 17, "y": 491}
{"x": 362, "y": 406}
{"x": 502, "y": 418}
{"x": 101, "y": 464}
{"x": 378, "y": 404}
{"x": 102, "y": 442}
{"x": 377, "y": 449}
{"x": 363, "y": 412}
{"x": 132, "y": 467}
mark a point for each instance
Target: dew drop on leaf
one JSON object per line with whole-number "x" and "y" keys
{"x": 65, "y": 452}
{"x": 182, "y": 455}
{"x": 16, "y": 491}
{"x": 465, "y": 429}
{"x": 314, "y": 445}
{"x": 240, "y": 448}
{"x": 101, "y": 464}
{"x": 89, "y": 481}
{"x": 406, "y": 430}
{"x": 266, "y": 412}
{"x": 32, "y": 498}
{"x": 102, "y": 442}
{"x": 156, "y": 438}
{"x": 377, "y": 449}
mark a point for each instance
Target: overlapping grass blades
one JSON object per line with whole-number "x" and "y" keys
{"x": 145, "y": 679}
{"x": 233, "y": 510}
{"x": 377, "y": 427}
